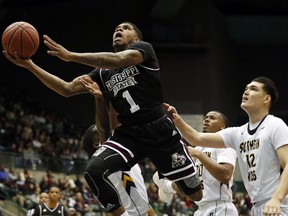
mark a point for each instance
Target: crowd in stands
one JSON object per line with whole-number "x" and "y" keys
{"x": 33, "y": 135}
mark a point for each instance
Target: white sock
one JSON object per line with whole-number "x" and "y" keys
{"x": 168, "y": 186}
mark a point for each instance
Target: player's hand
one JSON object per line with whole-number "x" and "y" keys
{"x": 193, "y": 152}
{"x": 25, "y": 63}
{"x": 171, "y": 111}
{"x": 272, "y": 208}
{"x": 56, "y": 49}
{"x": 92, "y": 86}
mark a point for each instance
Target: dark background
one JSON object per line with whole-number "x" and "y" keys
{"x": 208, "y": 50}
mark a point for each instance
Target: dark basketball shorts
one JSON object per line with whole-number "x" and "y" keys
{"x": 160, "y": 141}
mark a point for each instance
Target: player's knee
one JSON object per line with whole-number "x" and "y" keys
{"x": 94, "y": 171}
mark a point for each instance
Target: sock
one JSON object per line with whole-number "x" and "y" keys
{"x": 168, "y": 186}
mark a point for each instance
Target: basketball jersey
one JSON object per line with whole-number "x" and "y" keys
{"x": 132, "y": 190}
{"x": 213, "y": 189}
{"x": 135, "y": 91}
{"x": 44, "y": 210}
{"x": 257, "y": 156}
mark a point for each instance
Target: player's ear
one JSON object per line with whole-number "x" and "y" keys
{"x": 267, "y": 98}
{"x": 136, "y": 39}
{"x": 222, "y": 126}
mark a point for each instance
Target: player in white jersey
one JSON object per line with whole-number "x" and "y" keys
{"x": 215, "y": 169}
{"x": 261, "y": 146}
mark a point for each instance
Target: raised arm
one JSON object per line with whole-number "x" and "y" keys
{"x": 53, "y": 82}
{"x": 107, "y": 60}
{"x": 102, "y": 119}
{"x": 194, "y": 137}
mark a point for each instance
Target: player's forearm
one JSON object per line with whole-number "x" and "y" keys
{"x": 218, "y": 171}
{"x": 102, "y": 119}
{"x": 53, "y": 82}
{"x": 101, "y": 60}
{"x": 187, "y": 131}
{"x": 282, "y": 189}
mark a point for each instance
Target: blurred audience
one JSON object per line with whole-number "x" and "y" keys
{"x": 37, "y": 138}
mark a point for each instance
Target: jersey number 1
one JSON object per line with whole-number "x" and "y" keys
{"x": 133, "y": 106}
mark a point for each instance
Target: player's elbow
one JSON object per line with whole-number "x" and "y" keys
{"x": 197, "y": 196}
{"x": 225, "y": 178}
{"x": 68, "y": 92}
{"x": 225, "y": 181}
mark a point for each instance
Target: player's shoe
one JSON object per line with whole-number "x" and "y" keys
{"x": 163, "y": 193}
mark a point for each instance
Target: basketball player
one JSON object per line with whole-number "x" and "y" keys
{"x": 261, "y": 146}
{"x": 130, "y": 184}
{"x": 131, "y": 78}
{"x": 215, "y": 168}
{"x": 52, "y": 207}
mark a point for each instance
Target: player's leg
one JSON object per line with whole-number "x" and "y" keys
{"x": 175, "y": 163}
{"x": 190, "y": 187}
{"x": 104, "y": 162}
{"x": 135, "y": 188}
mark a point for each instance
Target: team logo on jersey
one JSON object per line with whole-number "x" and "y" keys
{"x": 122, "y": 80}
{"x": 178, "y": 160}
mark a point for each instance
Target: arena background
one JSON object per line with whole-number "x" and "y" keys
{"x": 208, "y": 50}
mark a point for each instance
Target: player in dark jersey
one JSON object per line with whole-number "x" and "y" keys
{"x": 131, "y": 79}
{"x": 52, "y": 206}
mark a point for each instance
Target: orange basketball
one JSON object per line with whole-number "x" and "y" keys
{"x": 20, "y": 37}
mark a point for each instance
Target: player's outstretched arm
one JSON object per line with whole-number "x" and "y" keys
{"x": 101, "y": 112}
{"x": 108, "y": 60}
{"x": 53, "y": 82}
{"x": 194, "y": 137}
{"x": 190, "y": 134}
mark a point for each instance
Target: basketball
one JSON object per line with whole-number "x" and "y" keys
{"x": 20, "y": 37}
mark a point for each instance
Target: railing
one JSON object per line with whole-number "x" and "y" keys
{"x": 10, "y": 208}
{"x": 56, "y": 165}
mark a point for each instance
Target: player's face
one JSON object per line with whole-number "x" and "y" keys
{"x": 254, "y": 97}
{"x": 54, "y": 194}
{"x": 123, "y": 36}
{"x": 43, "y": 197}
{"x": 213, "y": 122}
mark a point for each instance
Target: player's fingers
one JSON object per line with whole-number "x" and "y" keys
{"x": 53, "y": 53}
{"x": 6, "y": 54}
{"x": 16, "y": 55}
{"x": 51, "y": 46}
{"x": 84, "y": 82}
{"x": 48, "y": 39}
{"x": 87, "y": 79}
{"x": 165, "y": 105}
{"x": 271, "y": 212}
